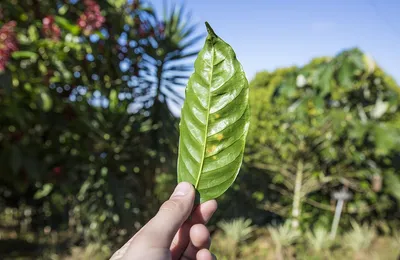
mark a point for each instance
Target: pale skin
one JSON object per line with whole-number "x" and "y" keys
{"x": 171, "y": 234}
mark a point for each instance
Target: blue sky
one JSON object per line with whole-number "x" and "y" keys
{"x": 267, "y": 34}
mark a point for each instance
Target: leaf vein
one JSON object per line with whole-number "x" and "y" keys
{"x": 228, "y": 103}
{"x": 243, "y": 114}
{"x": 215, "y": 169}
{"x": 207, "y": 120}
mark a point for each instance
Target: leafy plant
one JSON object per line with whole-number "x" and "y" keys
{"x": 283, "y": 236}
{"x": 319, "y": 239}
{"x": 392, "y": 182}
{"x": 360, "y": 238}
{"x": 235, "y": 232}
{"x": 167, "y": 64}
{"x": 337, "y": 118}
{"x": 86, "y": 132}
{"x": 215, "y": 120}
{"x": 238, "y": 230}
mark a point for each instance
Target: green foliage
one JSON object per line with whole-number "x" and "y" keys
{"x": 283, "y": 235}
{"x": 393, "y": 185}
{"x": 215, "y": 120}
{"x": 382, "y": 247}
{"x": 235, "y": 233}
{"x": 337, "y": 118}
{"x": 88, "y": 140}
{"x": 318, "y": 239}
{"x": 238, "y": 230}
{"x": 86, "y": 129}
{"x": 360, "y": 237}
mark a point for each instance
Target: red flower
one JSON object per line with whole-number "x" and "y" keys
{"x": 8, "y": 43}
{"x": 91, "y": 19}
{"x": 50, "y": 29}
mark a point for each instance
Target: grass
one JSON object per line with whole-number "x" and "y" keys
{"x": 282, "y": 242}
{"x": 359, "y": 239}
{"x": 235, "y": 239}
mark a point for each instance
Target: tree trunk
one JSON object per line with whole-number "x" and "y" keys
{"x": 297, "y": 195}
{"x": 155, "y": 141}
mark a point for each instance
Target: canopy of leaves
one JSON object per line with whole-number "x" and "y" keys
{"x": 86, "y": 129}
{"x": 340, "y": 116}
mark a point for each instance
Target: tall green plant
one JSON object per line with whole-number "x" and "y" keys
{"x": 167, "y": 64}
{"x": 236, "y": 232}
{"x": 360, "y": 238}
{"x": 318, "y": 239}
{"x": 319, "y": 127}
{"x": 282, "y": 237}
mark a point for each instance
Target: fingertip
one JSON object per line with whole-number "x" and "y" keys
{"x": 212, "y": 205}
{"x": 182, "y": 189}
{"x": 205, "y": 254}
{"x": 200, "y": 236}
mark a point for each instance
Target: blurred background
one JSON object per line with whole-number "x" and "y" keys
{"x": 90, "y": 97}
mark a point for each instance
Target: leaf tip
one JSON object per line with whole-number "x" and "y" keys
{"x": 210, "y": 30}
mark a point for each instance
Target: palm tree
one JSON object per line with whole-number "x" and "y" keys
{"x": 166, "y": 69}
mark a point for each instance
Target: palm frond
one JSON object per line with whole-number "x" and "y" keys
{"x": 284, "y": 235}
{"x": 238, "y": 230}
{"x": 318, "y": 239}
{"x": 360, "y": 238}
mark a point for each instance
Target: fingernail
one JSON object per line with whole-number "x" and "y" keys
{"x": 182, "y": 189}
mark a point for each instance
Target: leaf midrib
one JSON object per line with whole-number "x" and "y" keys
{"x": 207, "y": 119}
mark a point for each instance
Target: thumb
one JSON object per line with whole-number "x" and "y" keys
{"x": 160, "y": 230}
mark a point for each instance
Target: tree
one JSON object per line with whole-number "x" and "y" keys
{"x": 330, "y": 123}
{"x": 166, "y": 71}
{"x": 83, "y": 97}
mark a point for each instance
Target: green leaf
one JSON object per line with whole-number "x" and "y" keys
{"x": 386, "y": 138}
{"x": 325, "y": 80}
{"x": 33, "y": 33}
{"x": 215, "y": 120}
{"x": 47, "y": 188}
{"x": 393, "y": 185}
{"x": 65, "y": 24}
{"x": 63, "y": 9}
{"x": 319, "y": 103}
{"x": 113, "y": 99}
{"x": 346, "y": 74}
{"x": 25, "y": 55}
{"x": 47, "y": 102}
{"x": 117, "y": 3}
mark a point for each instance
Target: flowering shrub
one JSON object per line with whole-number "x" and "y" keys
{"x": 8, "y": 43}
{"x": 91, "y": 19}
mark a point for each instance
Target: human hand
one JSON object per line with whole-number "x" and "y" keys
{"x": 170, "y": 234}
